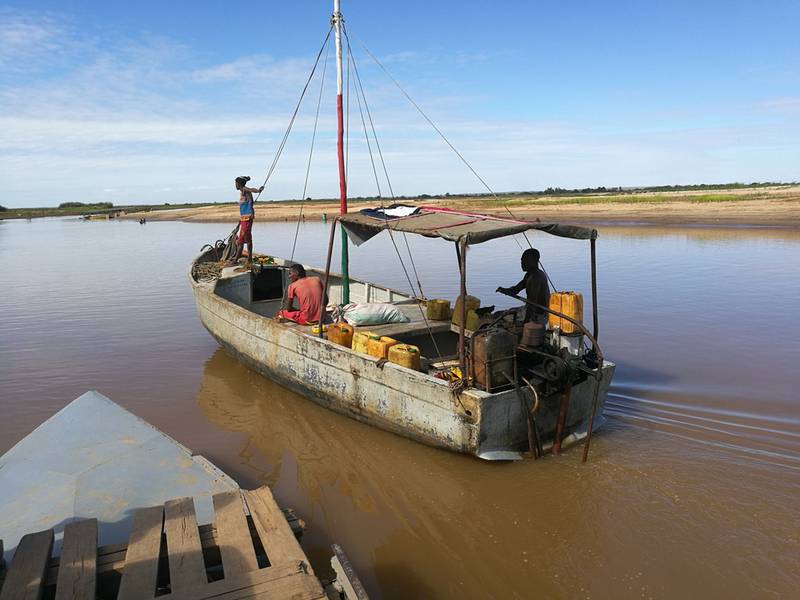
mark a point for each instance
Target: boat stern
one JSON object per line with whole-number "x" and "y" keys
{"x": 503, "y": 432}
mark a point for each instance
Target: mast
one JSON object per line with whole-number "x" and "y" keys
{"x": 336, "y": 19}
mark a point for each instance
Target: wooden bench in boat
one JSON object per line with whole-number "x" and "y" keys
{"x": 168, "y": 556}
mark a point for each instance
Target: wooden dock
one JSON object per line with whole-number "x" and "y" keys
{"x": 250, "y": 551}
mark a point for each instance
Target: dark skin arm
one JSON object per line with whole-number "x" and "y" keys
{"x": 257, "y": 190}
{"x": 515, "y": 289}
{"x": 287, "y": 299}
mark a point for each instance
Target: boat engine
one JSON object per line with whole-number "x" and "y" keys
{"x": 558, "y": 361}
{"x": 548, "y": 359}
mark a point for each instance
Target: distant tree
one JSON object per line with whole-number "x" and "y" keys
{"x": 3, "y": 208}
{"x": 83, "y": 205}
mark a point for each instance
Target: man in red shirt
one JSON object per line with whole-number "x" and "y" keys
{"x": 309, "y": 294}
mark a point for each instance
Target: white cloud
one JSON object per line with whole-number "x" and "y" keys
{"x": 127, "y": 118}
{"x": 256, "y": 68}
{"x": 405, "y": 56}
{"x": 27, "y": 42}
{"x": 48, "y": 134}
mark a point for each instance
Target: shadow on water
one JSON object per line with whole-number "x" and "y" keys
{"x": 636, "y": 374}
{"x": 646, "y": 397}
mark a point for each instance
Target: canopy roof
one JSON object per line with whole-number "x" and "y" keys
{"x": 448, "y": 224}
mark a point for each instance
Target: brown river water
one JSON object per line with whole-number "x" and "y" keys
{"x": 693, "y": 486}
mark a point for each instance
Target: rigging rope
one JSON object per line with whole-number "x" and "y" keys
{"x": 447, "y": 141}
{"x": 311, "y": 151}
{"x": 371, "y": 123}
{"x": 366, "y": 134}
{"x": 383, "y": 162}
{"x": 360, "y": 87}
{"x": 439, "y": 131}
{"x": 425, "y": 116}
{"x": 281, "y": 146}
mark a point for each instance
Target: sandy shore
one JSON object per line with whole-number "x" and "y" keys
{"x": 779, "y": 206}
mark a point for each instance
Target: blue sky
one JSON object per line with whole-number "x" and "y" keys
{"x": 136, "y": 102}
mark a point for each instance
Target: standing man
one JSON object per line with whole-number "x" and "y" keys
{"x": 247, "y": 215}
{"x": 309, "y": 294}
{"x": 535, "y": 285}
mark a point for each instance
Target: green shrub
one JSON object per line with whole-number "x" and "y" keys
{"x": 84, "y": 205}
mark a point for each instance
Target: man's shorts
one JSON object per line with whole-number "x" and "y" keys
{"x": 245, "y": 232}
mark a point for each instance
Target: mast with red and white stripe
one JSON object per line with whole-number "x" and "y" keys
{"x": 336, "y": 20}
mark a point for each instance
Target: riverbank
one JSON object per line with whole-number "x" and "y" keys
{"x": 773, "y": 206}
{"x": 105, "y": 210}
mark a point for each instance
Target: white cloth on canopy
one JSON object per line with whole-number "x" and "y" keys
{"x": 399, "y": 211}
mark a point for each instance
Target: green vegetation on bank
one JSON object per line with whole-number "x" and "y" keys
{"x": 658, "y": 188}
{"x": 602, "y": 190}
{"x": 548, "y": 197}
{"x": 610, "y": 199}
{"x": 99, "y": 205}
{"x": 76, "y": 209}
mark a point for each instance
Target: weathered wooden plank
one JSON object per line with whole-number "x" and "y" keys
{"x": 77, "y": 577}
{"x": 276, "y": 536}
{"x": 233, "y": 535}
{"x": 26, "y": 572}
{"x": 286, "y": 581}
{"x": 186, "y": 566}
{"x": 346, "y": 575}
{"x": 141, "y": 561}
{"x": 111, "y": 558}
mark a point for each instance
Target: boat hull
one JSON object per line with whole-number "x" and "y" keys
{"x": 388, "y": 396}
{"x": 391, "y": 397}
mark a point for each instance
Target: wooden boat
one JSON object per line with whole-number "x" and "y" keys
{"x": 546, "y": 397}
{"x": 89, "y": 460}
{"x": 93, "y": 476}
{"x": 238, "y": 307}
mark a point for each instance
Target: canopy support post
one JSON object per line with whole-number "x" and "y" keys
{"x": 461, "y": 251}
{"x": 345, "y": 270}
{"x": 327, "y": 274}
{"x": 594, "y": 288}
